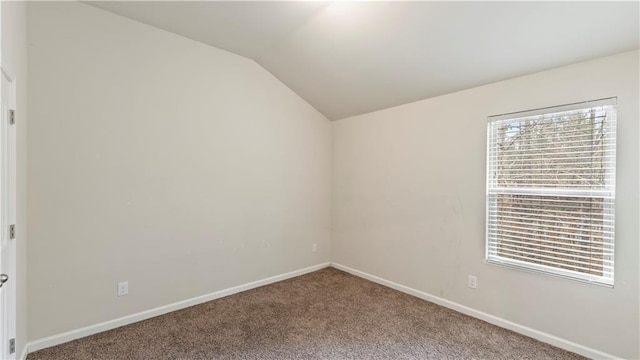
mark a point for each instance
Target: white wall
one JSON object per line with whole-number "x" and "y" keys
{"x": 179, "y": 167}
{"x": 409, "y": 204}
{"x": 14, "y": 60}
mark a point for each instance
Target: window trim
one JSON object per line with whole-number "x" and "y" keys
{"x": 609, "y": 212}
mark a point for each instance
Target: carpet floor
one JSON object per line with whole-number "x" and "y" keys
{"x": 327, "y": 314}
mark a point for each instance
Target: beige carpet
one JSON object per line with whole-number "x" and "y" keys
{"x": 327, "y": 314}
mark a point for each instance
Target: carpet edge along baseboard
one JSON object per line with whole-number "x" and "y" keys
{"x": 492, "y": 319}
{"x": 71, "y": 335}
{"x": 147, "y": 314}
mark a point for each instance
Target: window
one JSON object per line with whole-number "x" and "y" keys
{"x": 551, "y": 190}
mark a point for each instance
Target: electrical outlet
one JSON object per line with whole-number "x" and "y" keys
{"x": 473, "y": 282}
{"x": 314, "y": 248}
{"x": 123, "y": 288}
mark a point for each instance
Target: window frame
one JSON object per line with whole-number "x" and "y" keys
{"x": 607, "y": 194}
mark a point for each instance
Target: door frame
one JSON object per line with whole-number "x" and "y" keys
{"x": 8, "y": 214}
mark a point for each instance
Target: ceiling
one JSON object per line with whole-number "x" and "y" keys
{"x": 348, "y": 58}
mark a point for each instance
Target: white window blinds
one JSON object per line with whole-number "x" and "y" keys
{"x": 551, "y": 190}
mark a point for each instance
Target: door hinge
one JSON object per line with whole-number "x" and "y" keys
{"x": 12, "y": 117}
{"x": 12, "y": 231}
{"x": 12, "y": 346}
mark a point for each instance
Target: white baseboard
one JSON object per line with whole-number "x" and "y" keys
{"x": 129, "y": 319}
{"x": 521, "y": 329}
{"x": 126, "y": 320}
{"x": 25, "y": 351}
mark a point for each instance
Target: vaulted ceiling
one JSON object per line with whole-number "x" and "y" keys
{"x": 348, "y": 58}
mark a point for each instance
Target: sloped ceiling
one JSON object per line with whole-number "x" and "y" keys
{"x": 348, "y": 58}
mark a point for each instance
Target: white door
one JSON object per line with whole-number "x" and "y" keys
{"x": 7, "y": 221}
